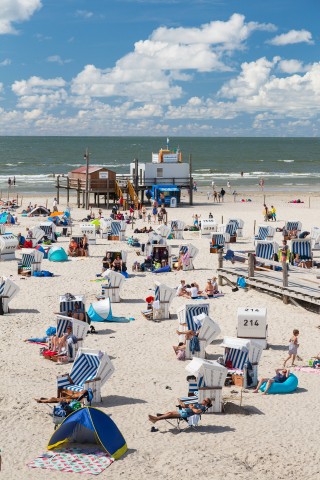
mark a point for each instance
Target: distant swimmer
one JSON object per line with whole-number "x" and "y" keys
{"x": 228, "y": 185}
{"x": 212, "y": 184}
{"x": 9, "y": 182}
{"x": 261, "y": 183}
{"x": 241, "y": 174}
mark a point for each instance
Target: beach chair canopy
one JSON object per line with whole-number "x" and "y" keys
{"x": 208, "y": 373}
{"x": 265, "y": 249}
{"x": 37, "y": 235}
{"x": 177, "y": 225}
{"x": 88, "y": 365}
{"x": 293, "y": 225}
{"x": 156, "y": 238}
{"x": 8, "y": 244}
{"x": 90, "y": 425}
{"x": 163, "y": 293}
{"x": 190, "y": 310}
{"x": 67, "y": 302}
{"x": 209, "y": 329}
{"x": 218, "y": 239}
{"x": 241, "y": 350}
{"x": 31, "y": 255}
{"x": 39, "y": 211}
{"x": 302, "y": 247}
{"x": 163, "y": 230}
{"x": 8, "y": 290}
{"x": 105, "y": 224}
{"x": 232, "y": 227}
{"x": 79, "y": 328}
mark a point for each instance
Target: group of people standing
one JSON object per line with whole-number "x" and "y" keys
{"x": 269, "y": 214}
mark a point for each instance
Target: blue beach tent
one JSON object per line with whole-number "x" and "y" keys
{"x": 101, "y": 312}
{"x": 57, "y": 254}
{"x": 90, "y": 425}
{"x": 4, "y": 216}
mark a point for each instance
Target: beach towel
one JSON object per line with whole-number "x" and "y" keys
{"x": 316, "y": 371}
{"x": 75, "y": 460}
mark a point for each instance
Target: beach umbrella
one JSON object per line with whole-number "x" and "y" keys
{"x": 55, "y": 214}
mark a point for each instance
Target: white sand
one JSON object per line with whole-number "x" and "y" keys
{"x": 270, "y": 437}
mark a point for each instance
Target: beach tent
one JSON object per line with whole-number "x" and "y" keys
{"x": 3, "y": 218}
{"x": 101, "y": 311}
{"x": 90, "y": 425}
{"x": 39, "y": 211}
{"x": 57, "y": 254}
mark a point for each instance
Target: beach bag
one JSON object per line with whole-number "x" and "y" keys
{"x": 241, "y": 282}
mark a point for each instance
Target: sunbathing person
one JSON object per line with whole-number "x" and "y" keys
{"x": 78, "y": 313}
{"x": 117, "y": 264}
{"x": 185, "y": 411}
{"x": 281, "y": 376}
{"x": 181, "y": 290}
{"x": 298, "y": 262}
{"x": 65, "y": 397}
{"x": 73, "y": 250}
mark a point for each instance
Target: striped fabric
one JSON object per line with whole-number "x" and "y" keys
{"x": 217, "y": 239}
{"x": 264, "y": 250}
{"x": 193, "y": 311}
{"x": 232, "y": 227}
{"x": 2, "y": 285}
{"x": 292, "y": 225}
{"x": 62, "y": 325}
{"x": 303, "y": 248}
{"x": 68, "y": 306}
{"x": 193, "y": 388}
{"x": 237, "y": 357}
{"x": 157, "y": 293}
{"x": 262, "y": 233}
{"x": 183, "y": 249}
{"x": 84, "y": 368}
{"x": 115, "y": 228}
{"x": 77, "y": 238}
{"x": 174, "y": 224}
{"x": 189, "y": 400}
{"x": 27, "y": 259}
{"x": 47, "y": 229}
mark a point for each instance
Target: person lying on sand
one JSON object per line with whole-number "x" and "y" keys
{"x": 65, "y": 397}
{"x": 185, "y": 411}
{"x": 280, "y": 377}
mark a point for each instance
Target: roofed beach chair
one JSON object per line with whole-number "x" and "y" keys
{"x": 79, "y": 329}
{"x": 206, "y": 379}
{"x": 238, "y": 352}
{"x": 117, "y": 230}
{"x": 30, "y": 262}
{"x": 67, "y": 303}
{"x": 208, "y": 225}
{"x": 207, "y": 332}
{"x": 49, "y": 229}
{"x": 155, "y": 238}
{"x": 218, "y": 241}
{"x": 315, "y": 238}
{"x": 112, "y": 288}
{"x": 164, "y": 231}
{"x": 266, "y": 249}
{"x": 265, "y": 232}
{"x": 293, "y": 226}
{"x": 37, "y": 235}
{"x": 91, "y": 232}
{"x": 302, "y": 247}
{"x": 186, "y": 314}
{"x": 8, "y": 290}
{"x": 177, "y": 229}
{"x": 239, "y": 223}
{"x": 163, "y": 296}
{"x": 91, "y": 369}
{"x": 105, "y": 227}
{"x": 8, "y": 246}
{"x": 252, "y": 325}
{"x": 189, "y": 254}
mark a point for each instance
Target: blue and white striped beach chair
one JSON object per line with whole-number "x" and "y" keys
{"x": 240, "y": 223}
{"x": 303, "y": 248}
{"x": 266, "y": 250}
{"x": 232, "y": 227}
{"x": 118, "y": 229}
{"x": 112, "y": 288}
{"x": 91, "y": 369}
{"x": 265, "y": 232}
{"x": 30, "y": 261}
{"x": 217, "y": 240}
{"x": 187, "y": 312}
{"x": 49, "y": 228}
{"x": 79, "y": 330}
{"x": 8, "y": 290}
{"x": 208, "y": 331}
{"x": 68, "y": 302}
{"x": 293, "y": 226}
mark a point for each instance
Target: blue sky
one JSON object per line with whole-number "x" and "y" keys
{"x": 170, "y": 67}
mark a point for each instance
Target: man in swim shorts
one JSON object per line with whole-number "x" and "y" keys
{"x": 281, "y": 376}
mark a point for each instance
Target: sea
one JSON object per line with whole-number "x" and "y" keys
{"x": 284, "y": 164}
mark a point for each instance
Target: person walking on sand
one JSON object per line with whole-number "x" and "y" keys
{"x": 293, "y": 347}
{"x": 55, "y": 205}
{"x": 222, "y": 193}
{"x": 273, "y": 214}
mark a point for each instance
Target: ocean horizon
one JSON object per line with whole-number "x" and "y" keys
{"x": 285, "y": 164}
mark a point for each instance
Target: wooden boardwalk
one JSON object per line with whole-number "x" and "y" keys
{"x": 301, "y": 286}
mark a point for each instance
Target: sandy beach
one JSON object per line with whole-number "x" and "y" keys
{"x": 272, "y": 436}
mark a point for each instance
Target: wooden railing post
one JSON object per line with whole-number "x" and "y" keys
{"x": 285, "y": 281}
{"x": 220, "y": 265}
{"x": 250, "y": 265}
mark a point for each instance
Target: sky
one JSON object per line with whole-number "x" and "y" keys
{"x": 158, "y": 68}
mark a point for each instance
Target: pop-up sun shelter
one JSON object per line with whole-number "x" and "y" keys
{"x": 57, "y": 254}
{"x": 90, "y": 425}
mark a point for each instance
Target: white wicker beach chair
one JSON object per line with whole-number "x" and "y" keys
{"x": 189, "y": 254}
{"x": 177, "y": 229}
{"x": 208, "y": 331}
{"x": 49, "y": 229}
{"x": 163, "y": 296}
{"x": 208, "y": 225}
{"x": 315, "y": 238}
{"x": 252, "y": 325}
{"x": 91, "y": 369}
{"x": 112, "y": 289}
{"x": 207, "y": 380}
{"x": 8, "y": 290}
{"x": 164, "y": 231}
{"x": 8, "y": 246}
{"x": 37, "y": 235}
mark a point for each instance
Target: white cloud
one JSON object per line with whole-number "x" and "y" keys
{"x": 57, "y": 59}
{"x": 5, "y": 62}
{"x": 16, "y": 11}
{"x": 293, "y": 66}
{"x": 37, "y": 85}
{"x": 293, "y": 36}
{"x": 84, "y": 14}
